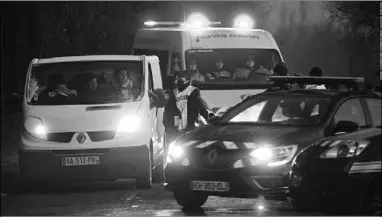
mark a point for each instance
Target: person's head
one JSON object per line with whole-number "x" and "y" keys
{"x": 280, "y": 69}
{"x": 250, "y": 62}
{"x": 219, "y": 64}
{"x": 182, "y": 80}
{"x": 316, "y": 72}
{"x": 124, "y": 76}
{"x": 192, "y": 65}
{"x": 93, "y": 83}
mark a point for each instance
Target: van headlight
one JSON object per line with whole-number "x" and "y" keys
{"x": 36, "y": 128}
{"x": 129, "y": 124}
{"x": 175, "y": 152}
{"x": 275, "y": 156}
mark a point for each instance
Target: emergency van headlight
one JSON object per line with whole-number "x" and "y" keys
{"x": 345, "y": 149}
{"x": 275, "y": 156}
{"x": 175, "y": 152}
{"x": 129, "y": 124}
{"x": 243, "y": 22}
{"x": 35, "y": 127}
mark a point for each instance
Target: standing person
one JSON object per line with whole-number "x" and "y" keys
{"x": 189, "y": 104}
{"x": 280, "y": 69}
{"x": 316, "y": 72}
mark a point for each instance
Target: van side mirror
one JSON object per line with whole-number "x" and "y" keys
{"x": 345, "y": 127}
{"x": 158, "y": 98}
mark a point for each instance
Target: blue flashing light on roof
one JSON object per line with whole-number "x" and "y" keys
{"x": 243, "y": 22}
{"x": 195, "y": 21}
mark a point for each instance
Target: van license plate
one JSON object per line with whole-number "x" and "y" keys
{"x": 210, "y": 186}
{"x": 80, "y": 161}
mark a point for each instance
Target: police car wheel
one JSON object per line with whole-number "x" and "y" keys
{"x": 190, "y": 200}
{"x": 302, "y": 199}
{"x": 371, "y": 204}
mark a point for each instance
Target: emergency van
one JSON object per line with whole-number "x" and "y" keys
{"x": 93, "y": 118}
{"x": 179, "y": 44}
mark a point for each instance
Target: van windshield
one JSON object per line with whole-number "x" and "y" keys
{"x": 232, "y": 66}
{"x": 85, "y": 82}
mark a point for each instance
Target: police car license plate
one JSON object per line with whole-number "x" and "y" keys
{"x": 80, "y": 161}
{"x": 210, "y": 186}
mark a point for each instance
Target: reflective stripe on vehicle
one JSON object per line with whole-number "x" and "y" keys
{"x": 366, "y": 167}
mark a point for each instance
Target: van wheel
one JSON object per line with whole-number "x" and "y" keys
{"x": 190, "y": 200}
{"x": 144, "y": 181}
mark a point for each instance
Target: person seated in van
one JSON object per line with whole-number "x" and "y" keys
{"x": 195, "y": 74}
{"x": 175, "y": 66}
{"x": 220, "y": 73}
{"x": 57, "y": 87}
{"x": 34, "y": 89}
{"x": 125, "y": 83}
{"x": 250, "y": 71}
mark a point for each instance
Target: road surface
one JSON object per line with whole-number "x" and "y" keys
{"x": 121, "y": 198}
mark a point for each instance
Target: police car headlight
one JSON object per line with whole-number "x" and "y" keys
{"x": 175, "y": 152}
{"x": 129, "y": 124}
{"x": 275, "y": 156}
{"x": 36, "y": 128}
{"x": 344, "y": 149}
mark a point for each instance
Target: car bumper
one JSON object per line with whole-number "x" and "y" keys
{"x": 244, "y": 182}
{"x": 115, "y": 163}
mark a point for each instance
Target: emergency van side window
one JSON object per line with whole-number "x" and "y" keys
{"x": 151, "y": 83}
{"x": 375, "y": 110}
{"x": 351, "y": 110}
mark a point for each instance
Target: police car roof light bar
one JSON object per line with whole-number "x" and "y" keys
{"x": 317, "y": 80}
{"x": 350, "y": 82}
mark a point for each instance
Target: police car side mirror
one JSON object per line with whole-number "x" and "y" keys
{"x": 345, "y": 127}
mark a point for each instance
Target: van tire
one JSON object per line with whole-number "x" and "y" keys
{"x": 144, "y": 180}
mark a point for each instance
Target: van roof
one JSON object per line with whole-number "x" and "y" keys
{"x": 90, "y": 58}
{"x": 211, "y": 29}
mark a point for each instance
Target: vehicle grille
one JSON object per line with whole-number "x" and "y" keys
{"x": 224, "y": 160}
{"x": 95, "y": 136}
{"x": 98, "y": 136}
{"x": 60, "y": 137}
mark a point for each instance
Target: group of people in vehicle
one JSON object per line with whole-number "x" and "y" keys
{"x": 124, "y": 86}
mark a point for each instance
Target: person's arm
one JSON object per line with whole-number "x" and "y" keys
{"x": 195, "y": 100}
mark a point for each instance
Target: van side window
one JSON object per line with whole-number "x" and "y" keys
{"x": 162, "y": 55}
{"x": 151, "y": 83}
{"x": 175, "y": 63}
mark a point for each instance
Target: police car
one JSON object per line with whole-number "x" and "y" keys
{"x": 339, "y": 174}
{"x": 249, "y": 150}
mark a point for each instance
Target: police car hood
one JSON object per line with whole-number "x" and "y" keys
{"x": 82, "y": 118}
{"x": 254, "y": 134}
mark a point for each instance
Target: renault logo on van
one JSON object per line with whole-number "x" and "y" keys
{"x": 81, "y": 138}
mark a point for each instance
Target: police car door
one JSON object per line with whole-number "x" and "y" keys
{"x": 155, "y": 82}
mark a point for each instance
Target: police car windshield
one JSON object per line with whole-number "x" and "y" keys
{"x": 231, "y": 66}
{"x": 85, "y": 82}
{"x": 290, "y": 110}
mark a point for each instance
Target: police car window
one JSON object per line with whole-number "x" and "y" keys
{"x": 282, "y": 110}
{"x": 250, "y": 114}
{"x": 162, "y": 55}
{"x": 375, "y": 110}
{"x": 351, "y": 110}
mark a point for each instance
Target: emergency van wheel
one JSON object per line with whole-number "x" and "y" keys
{"x": 190, "y": 200}
{"x": 371, "y": 204}
{"x": 303, "y": 199}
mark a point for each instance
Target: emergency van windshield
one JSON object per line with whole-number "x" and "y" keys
{"x": 232, "y": 66}
{"x": 85, "y": 82}
{"x": 280, "y": 110}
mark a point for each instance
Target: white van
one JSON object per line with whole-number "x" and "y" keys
{"x": 205, "y": 46}
{"x": 93, "y": 118}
